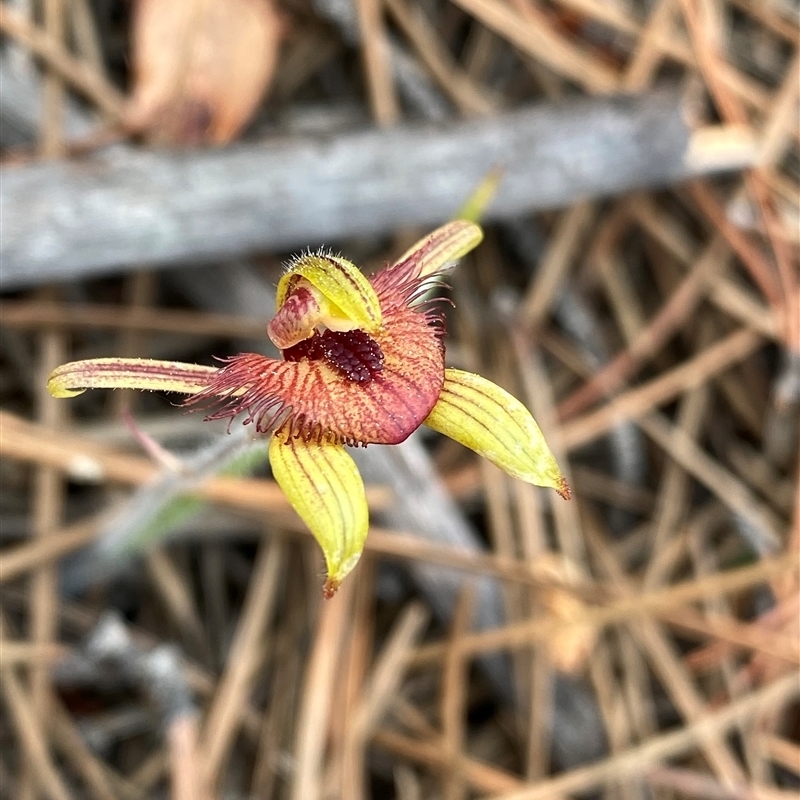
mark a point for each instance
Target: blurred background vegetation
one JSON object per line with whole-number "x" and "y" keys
{"x": 162, "y": 631}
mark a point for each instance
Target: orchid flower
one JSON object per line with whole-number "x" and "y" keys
{"x": 363, "y": 363}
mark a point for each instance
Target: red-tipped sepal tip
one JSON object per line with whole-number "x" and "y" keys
{"x": 563, "y": 488}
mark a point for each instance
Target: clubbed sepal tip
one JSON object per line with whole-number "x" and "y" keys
{"x": 330, "y": 588}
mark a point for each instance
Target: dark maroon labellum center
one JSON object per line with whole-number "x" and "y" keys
{"x": 354, "y": 354}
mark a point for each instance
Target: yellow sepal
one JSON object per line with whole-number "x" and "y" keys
{"x": 323, "y": 485}
{"x": 348, "y": 293}
{"x": 70, "y": 380}
{"x": 487, "y": 419}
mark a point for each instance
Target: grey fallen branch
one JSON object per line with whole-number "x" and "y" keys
{"x": 425, "y": 507}
{"x": 124, "y": 207}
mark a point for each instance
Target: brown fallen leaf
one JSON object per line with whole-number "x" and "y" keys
{"x": 568, "y": 649}
{"x": 200, "y": 67}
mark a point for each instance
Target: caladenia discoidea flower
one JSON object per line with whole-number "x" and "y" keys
{"x": 363, "y": 363}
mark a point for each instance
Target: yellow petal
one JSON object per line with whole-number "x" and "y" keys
{"x": 482, "y": 416}
{"x": 70, "y": 380}
{"x": 447, "y": 243}
{"x": 322, "y": 483}
{"x": 349, "y": 294}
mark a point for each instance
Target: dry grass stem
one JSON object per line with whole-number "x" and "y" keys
{"x": 77, "y": 73}
{"x": 638, "y": 401}
{"x": 245, "y": 656}
{"x": 377, "y": 63}
{"x": 525, "y": 634}
{"x": 638, "y": 759}
{"x": 32, "y": 314}
{"x": 453, "y": 712}
{"x": 322, "y": 671}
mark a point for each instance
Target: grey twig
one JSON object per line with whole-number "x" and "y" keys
{"x": 157, "y": 207}
{"x": 153, "y": 511}
{"x": 158, "y": 671}
{"x": 425, "y": 507}
{"x": 782, "y": 425}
